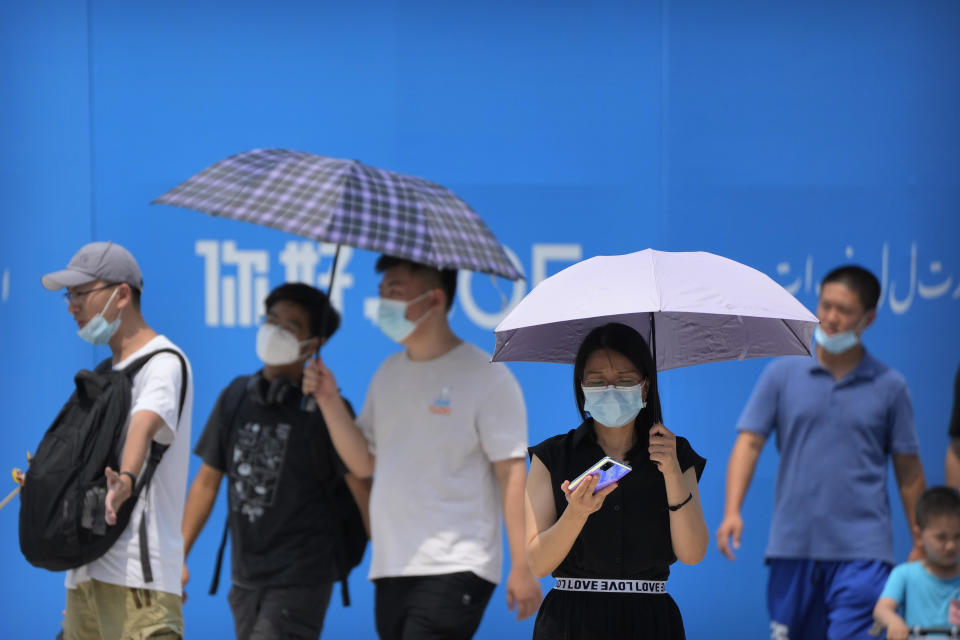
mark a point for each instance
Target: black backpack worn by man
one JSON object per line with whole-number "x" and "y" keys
{"x": 63, "y": 500}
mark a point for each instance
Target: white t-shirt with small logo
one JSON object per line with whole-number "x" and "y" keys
{"x": 435, "y": 428}
{"x": 156, "y": 388}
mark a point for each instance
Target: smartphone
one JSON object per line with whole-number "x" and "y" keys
{"x": 607, "y": 468}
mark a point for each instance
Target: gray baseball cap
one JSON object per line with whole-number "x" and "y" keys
{"x": 96, "y": 261}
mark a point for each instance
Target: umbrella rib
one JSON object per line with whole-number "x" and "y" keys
{"x": 656, "y": 281}
{"x": 799, "y": 341}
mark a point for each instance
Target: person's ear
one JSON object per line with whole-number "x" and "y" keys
{"x": 124, "y": 296}
{"x": 439, "y": 299}
{"x": 868, "y": 319}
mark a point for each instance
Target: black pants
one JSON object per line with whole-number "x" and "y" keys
{"x": 442, "y": 607}
{"x": 279, "y": 613}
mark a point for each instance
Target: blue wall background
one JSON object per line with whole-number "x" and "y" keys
{"x": 790, "y": 136}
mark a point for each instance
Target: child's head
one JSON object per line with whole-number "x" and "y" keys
{"x": 938, "y": 521}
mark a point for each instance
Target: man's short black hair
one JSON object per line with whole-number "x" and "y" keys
{"x": 135, "y": 297}
{"x": 858, "y": 280}
{"x": 937, "y": 501}
{"x": 446, "y": 279}
{"x": 324, "y": 319}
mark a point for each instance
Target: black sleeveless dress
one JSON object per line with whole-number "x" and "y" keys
{"x": 628, "y": 538}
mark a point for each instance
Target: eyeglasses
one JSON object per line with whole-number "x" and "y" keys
{"x": 78, "y": 296}
{"x": 620, "y": 383}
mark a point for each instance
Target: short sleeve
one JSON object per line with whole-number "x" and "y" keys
{"x": 543, "y": 452}
{"x": 896, "y": 587}
{"x": 502, "y": 420}
{"x": 210, "y": 446}
{"x": 160, "y": 393}
{"x": 903, "y": 432}
{"x": 687, "y": 457}
{"x": 955, "y": 417}
{"x": 760, "y": 413}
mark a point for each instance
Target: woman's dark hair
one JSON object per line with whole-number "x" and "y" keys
{"x": 630, "y": 344}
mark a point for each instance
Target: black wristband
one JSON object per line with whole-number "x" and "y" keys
{"x": 133, "y": 478}
{"x": 677, "y": 507}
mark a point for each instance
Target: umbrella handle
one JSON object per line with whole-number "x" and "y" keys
{"x": 9, "y": 497}
{"x": 657, "y": 413}
{"x": 309, "y": 403}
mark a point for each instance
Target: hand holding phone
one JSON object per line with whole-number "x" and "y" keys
{"x": 607, "y": 468}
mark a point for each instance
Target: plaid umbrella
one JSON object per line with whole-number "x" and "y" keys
{"x": 346, "y": 202}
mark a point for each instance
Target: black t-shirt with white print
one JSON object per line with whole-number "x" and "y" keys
{"x": 277, "y": 459}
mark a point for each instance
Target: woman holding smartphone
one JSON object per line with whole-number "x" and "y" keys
{"x": 611, "y": 550}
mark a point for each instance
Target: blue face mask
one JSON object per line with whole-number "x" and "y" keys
{"x": 98, "y": 331}
{"x": 392, "y": 318}
{"x": 838, "y": 342}
{"x": 613, "y": 406}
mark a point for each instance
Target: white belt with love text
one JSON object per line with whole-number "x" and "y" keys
{"x": 611, "y": 585}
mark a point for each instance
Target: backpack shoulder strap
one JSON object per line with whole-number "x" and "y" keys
{"x": 340, "y": 546}
{"x": 135, "y": 366}
{"x": 230, "y": 405}
{"x": 104, "y": 366}
{"x": 156, "y": 452}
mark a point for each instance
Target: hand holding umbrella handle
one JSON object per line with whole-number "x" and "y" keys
{"x": 309, "y": 403}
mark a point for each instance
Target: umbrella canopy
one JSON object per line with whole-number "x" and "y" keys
{"x": 695, "y": 307}
{"x": 346, "y": 202}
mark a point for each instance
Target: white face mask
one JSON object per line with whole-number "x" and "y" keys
{"x": 838, "y": 342}
{"x": 277, "y": 346}
{"x": 613, "y": 406}
{"x": 98, "y": 331}
{"x": 392, "y": 317}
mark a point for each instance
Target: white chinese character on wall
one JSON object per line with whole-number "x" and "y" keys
{"x": 300, "y": 259}
{"x": 234, "y": 298}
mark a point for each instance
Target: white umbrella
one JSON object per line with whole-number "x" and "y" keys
{"x": 692, "y": 307}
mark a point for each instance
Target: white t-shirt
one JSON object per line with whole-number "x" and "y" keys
{"x": 435, "y": 427}
{"x": 156, "y": 388}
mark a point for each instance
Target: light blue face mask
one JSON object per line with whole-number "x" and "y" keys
{"x": 613, "y": 406}
{"x": 392, "y": 317}
{"x": 838, "y": 342}
{"x": 98, "y": 331}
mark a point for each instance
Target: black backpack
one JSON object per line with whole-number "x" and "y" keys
{"x": 351, "y": 534}
{"x": 63, "y": 500}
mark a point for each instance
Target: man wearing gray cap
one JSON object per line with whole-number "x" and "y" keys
{"x": 109, "y": 598}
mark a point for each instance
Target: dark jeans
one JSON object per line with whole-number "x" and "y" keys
{"x": 442, "y": 607}
{"x": 279, "y": 613}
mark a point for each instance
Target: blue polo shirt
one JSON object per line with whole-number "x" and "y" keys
{"x": 834, "y": 440}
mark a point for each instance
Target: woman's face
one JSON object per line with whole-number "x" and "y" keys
{"x": 605, "y": 367}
